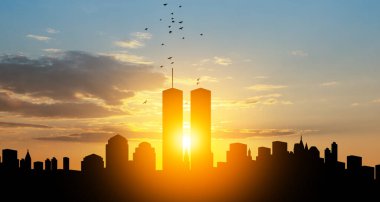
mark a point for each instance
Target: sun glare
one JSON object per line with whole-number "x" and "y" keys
{"x": 186, "y": 142}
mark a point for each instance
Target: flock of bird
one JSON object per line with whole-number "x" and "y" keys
{"x": 171, "y": 27}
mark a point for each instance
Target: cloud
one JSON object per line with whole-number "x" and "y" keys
{"x": 355, "y": 104}
{"x": 124, "y": 56}
{"x": 51, "y": 30}
{"x": 76, "y": 75}
{"x": 269, "y": 99}
{"x": 222, "y": 61}
{"x": 54, "y": 110}
{"x": 193, "y": 81}
{"x": 260, "y": 133}
{"x": 38, "y": 37}
{"x": 129, "y": 44}
{"x": 266, "y": 87}
{"x": 52, "y": 50}
{"x": 329, "y": 84}
{"x": 299, "y": 53}
{"x": 21, "y": 125}
{"x": 376, "y": 101}
{"x": 142, "y": 35}
{"x": 78, "y": 137}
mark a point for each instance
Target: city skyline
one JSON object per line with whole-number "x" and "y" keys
{"x": 73, "y": 74}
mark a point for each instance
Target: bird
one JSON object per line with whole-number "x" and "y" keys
{"x": 169, "y": 58}
{"x": 173, "y": 21}
{"x": 172, "y": 13}
{"x": 169, "y": 26}
{"x": 172, "y": 18}
{"x": 160, "y": 19}
{"x": 146, "y": 29}
{"x": 165, "y": 4}
{"x": 161, "y": 66}
{"x": 172, "y": 63}
{"x": 145, "y": 101}
{"x": 201, "y": 34}
{"x": 183, "y": 37}
{"x": 180, "y": 6}
{"x": 181, "y": 28}
{"x": 197, "y": 83}
{"x": 180, "y": 22}
{"x": 198, "y": 79}
{"x": 170, "y": 32}
{"x": 162, "y": 44}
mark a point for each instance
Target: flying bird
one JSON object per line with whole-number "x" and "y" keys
{"x": 201, "y": 34}
{"x": 162, "y": 44}
{"x": 160, "y": 19}
{"x": 172, "y": 63}
{"x": 181, "y": 28}
{"x": 172, "y": 18}
{"x": 172, "y": 13}
{"x": 198, "y": 79}
{"x": 165, "y": 4}
{"x": 146, "y": 29}
{"x": 180, "y": 6}
{"x": 169, "y": 26}
{"x": 183, "y": 37}
{"x": 173, "y": 21}
{"x": 180, "y": 22}
{"x": 145, "y": 101}
{"x": 161, "y": 66}
{"x": 169, "y": 58}
{"x": 197, "y": 83}
{"x": 170, "y": 32}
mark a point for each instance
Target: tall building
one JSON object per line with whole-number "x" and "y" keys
{"x": 334, "y": 152}
{"x": 117, "y": 153}
{"x": 263, "y": 153}
{"x": 144, "y": 158}
{"x": 38, "y": 166}
{"x": 10, "y": 161}
{"x": 54, "y": 164}
{"x": 237, "y": 155}
{"x": 354, "y": 165}
{"x": 66, "y": 163}
{"x": 201, "y": 156}
{"x": 47, "y": 165}
{"x": 28, "y": 161}
{"x": 92, "y": 164}
{"x": 172, "y": 129}
{"x": 280, "y": 148}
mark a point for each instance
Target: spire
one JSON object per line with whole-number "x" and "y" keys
{"x": 306, "y": 147}
{"x": 249, "y": 154}
{"x": 301, "y": 143}
{"x": 27, "y": 154}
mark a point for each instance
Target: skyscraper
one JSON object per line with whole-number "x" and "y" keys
{"x": 28, "y": 161}
{"x": 201, "y": 156}
{"x": 10, "y": 161}
{"x": 117, "y": 154}
{"x": 172, "y": 129}
{"x": 144, "y": 158}
{"x": 66, "y": 163}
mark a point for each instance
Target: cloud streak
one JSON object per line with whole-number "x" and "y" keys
{"x": 21, "y": 125}
{"x": 266, "y": 87}
{"x": 224, "y": 61}
{"x": 260, "y": 133}
{"x": 38, "y": 37}
{"x": 329, "y": 84}
{"x": 129, "y": 44}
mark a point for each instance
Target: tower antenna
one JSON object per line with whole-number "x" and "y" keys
{"x": 172, "y": 77}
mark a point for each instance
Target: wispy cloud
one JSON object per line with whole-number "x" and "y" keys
{"x": 52, "y": 50}
{"x": 129, "y": 44}
{"x": 124, "y": 56}
{"x": 268, "y": 99}
{"x": 21, "y": 125}
{"x": 38, "y": 37}
{"x": 51, "y": 30}
{"x": 329, "y": 84}
{"x": 224, "y": 61}
{"x": 266, "y": 87}
{"x": 299, "y": 53}
{"x": 261, "y": 133}
{"x": 193, "y": 81}
{"x": 142, "y": 35}
{"x": 376, "y": 101}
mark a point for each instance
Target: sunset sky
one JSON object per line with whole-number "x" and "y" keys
{"x": 74, "y": 73}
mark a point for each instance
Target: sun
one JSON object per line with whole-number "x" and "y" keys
{"x": 186, "y": 142}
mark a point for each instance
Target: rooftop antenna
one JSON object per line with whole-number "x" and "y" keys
{"x": 172, "y": 77}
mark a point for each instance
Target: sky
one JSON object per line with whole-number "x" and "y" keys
{"x": 74, "y": 73}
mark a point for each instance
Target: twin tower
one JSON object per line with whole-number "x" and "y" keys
{"x": 172, "y": 124}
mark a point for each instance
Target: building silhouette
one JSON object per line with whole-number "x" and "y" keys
{"x": 117, "y": 152}
{"x": 172, "y": 129}
{"x": 280, "y": 149}
{"x": 66, "y": 163}
{"x": 201, "y": 155}
{"x": 38, "y": 166}
{"x": 47, "y": 165}
{"x": 28, "y": 161}
{"x": 144, "y": 158}
{"x": 354, "y": 166}
{"x": 238, "y": 155}
{"x": 263, "y": 153}
{"x": 54, "y": 164}
{"x": 92, "y": 164}
{"x": 10, "y": 161}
